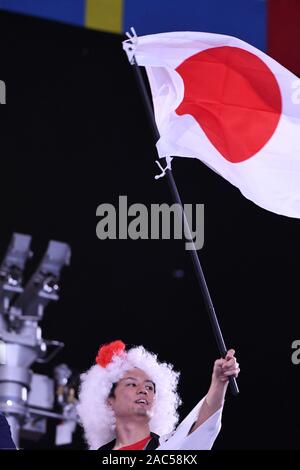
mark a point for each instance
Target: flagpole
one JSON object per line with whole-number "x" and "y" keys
{"x": 195, "y": 258}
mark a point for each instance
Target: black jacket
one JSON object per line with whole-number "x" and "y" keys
{"x": 152, "y": 444}
{"x": 6, "y": 441}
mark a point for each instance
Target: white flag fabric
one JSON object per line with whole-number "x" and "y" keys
{"x": 202, "y": 438}
{"x": 221, "y": 100}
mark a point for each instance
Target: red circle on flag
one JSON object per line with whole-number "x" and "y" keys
{"x": 234, "y": 97}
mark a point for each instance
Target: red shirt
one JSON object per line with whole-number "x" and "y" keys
{"x": 137, "y": 445}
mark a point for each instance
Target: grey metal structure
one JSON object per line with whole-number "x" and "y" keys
{"x": 27, "y": 398}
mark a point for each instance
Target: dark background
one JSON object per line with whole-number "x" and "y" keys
{"x": 74, "y": 134}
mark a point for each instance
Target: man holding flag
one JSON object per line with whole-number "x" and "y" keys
{"x": 128, "y": 401}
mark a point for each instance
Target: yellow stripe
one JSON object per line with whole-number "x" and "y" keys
{"x": 105, "y": 15}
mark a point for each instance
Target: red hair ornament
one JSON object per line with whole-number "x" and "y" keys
{"x": 108, "y": 351}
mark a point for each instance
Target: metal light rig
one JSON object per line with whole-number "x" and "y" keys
{"x": 26, "y": 398}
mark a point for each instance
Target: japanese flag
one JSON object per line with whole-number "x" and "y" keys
{"x": 223, "y": 101}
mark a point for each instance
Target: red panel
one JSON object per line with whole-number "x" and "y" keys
{"x": 284, "y": 33}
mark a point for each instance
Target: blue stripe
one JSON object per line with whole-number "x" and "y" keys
{"x": 68, "y": 11}
{"x": 246, "y": 20}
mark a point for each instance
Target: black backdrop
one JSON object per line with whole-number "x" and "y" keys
{"x": 74, "y": 134}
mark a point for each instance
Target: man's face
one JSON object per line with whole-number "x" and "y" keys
{"x": 134, "y": 395}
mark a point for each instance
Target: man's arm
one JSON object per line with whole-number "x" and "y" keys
{"x": 223, "y": 369}
{"x": 6, "y": 441}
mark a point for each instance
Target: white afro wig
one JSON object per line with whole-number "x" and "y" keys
{"x": 97, "y": 418}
